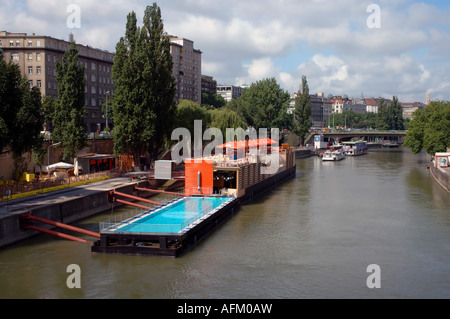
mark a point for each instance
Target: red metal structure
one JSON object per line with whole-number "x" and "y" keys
{"x": 25, "y": 222}
{"x": 157, "y": 191}
{"x": 113, "y": 198}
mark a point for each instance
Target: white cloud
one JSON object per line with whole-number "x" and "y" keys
{"x": 339, "y": 53}
{"x": 258, "y": 70}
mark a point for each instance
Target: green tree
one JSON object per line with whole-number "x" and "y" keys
{"x": 396, "y": 113}
{"x": 214, "y": 101}
{"x": 188, "y": 112}
{"x": 21, "y": 117}
{"x": 265, "y": 105}
{"x": 68, "y": 117}
{"x": 48, "y": 109}
{"x": 383, "y": 118}
{"x": 226, "y": 118}
{"x": 302, "y": 112}
{"x": 430, "y": 129}
{"x": 248, "y": 112}
{"x": 143, "y": 103}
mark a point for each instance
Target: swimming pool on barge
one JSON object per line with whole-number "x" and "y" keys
{"x": 176, "y": 217}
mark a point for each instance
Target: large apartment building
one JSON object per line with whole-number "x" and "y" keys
{"x": 37, "y": 56}
{"x": 187, "y": 69}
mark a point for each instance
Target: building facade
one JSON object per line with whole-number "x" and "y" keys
{"x": 36, "y": 57}
{"x": 321, "y": 110}
{"x": 229, "y": 92}
{"x": 410, "y": 108}
{"x": 209, "y": 85}
{"x": 187, "y": 69}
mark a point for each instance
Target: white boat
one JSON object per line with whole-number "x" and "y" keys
{"x": 355, "y": 148}
{"x": 335, "y": 153}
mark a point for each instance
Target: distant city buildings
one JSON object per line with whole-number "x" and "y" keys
{"x": 229, "y": 92}
{"x": 410, "y": 108}
{"x": 187, "y": 69}
{"x": 209, "y": 85}
{"x": 323, "y": 107}
{"x": 36, "y": 57}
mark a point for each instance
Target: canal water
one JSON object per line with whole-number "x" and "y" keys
{"x": 312, "y": 237}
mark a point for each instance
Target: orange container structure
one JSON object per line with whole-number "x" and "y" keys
{"x": 198, "y": 177}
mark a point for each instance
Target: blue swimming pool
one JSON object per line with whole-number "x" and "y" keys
{"x": 175, "y": 217}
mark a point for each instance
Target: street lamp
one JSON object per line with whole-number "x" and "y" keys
{"x": 107, "y": 93}
{"x": 48, "y": 155}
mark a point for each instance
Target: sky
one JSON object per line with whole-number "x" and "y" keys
{"x": 374, "y": 48}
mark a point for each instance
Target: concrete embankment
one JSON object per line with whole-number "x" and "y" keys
{"x": 442, "y": 176}
{"x": 66, "y": 207}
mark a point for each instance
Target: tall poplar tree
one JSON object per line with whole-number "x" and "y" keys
{"x": 143, "y": 104}
{"x": 396, "y": 113}
{"x": 68, "y": 117}
{"x": 383, "y": 119}
{"x": 302, "y": 112}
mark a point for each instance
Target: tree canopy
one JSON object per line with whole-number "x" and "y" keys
{"x": 302, "y": 112}
{"x": 263, "y": 105}
{"x": 143, "y": 102}
{"x": 70, "y": 110}
{"x": 21, "y": 117}
{"x": 430, "y": 129}
{"x": 390, "y": 117}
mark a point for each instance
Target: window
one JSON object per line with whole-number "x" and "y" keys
{"x": 30, "y": 83}
{"x": 1, "y": 43}
{"x": 11, "y": 43}
{"x": 38, "y": 70}
{"x": 30, "y": 70}
{"x": 30, "y": 43}
{"x": 38, "y": 43}
{"x": 17, "y": 43}
{"x": 30, "y": 57}
{"x": 38, "y": 57}
{"x": 39, "y": 83}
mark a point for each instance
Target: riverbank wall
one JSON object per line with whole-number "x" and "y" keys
{"x": 66, "y": 209}
{"x": 442, "y": 176}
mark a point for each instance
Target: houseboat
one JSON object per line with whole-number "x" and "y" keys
{"x": 335, "y": 153}
{"x": 355, "y": 148}
{"x": 215, "y": 187}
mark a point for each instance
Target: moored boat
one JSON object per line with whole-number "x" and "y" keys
{"x": 355, "y": 148}
{"x": 335, "y": 153}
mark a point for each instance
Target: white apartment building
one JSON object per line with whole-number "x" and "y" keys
{"x": 229, "y": 92}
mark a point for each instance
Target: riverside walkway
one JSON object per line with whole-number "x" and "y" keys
{"x": 27, "y": 203}
{"x": 64, "y": 206}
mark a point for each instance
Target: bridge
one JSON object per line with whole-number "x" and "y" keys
{"x": 335, "y": 136}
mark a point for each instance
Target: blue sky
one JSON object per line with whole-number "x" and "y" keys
{"x": 246, "y": 41}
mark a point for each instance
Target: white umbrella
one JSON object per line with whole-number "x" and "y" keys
{"x": 61, "y": 165}
{"x": 76, "y": 169}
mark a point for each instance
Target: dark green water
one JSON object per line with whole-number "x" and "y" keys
{"x": 312, "y": 237}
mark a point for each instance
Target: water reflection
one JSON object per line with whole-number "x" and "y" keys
{"x": 312, "y": 237}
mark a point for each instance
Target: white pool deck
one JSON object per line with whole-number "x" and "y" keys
{"x": 135, "y": 220}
